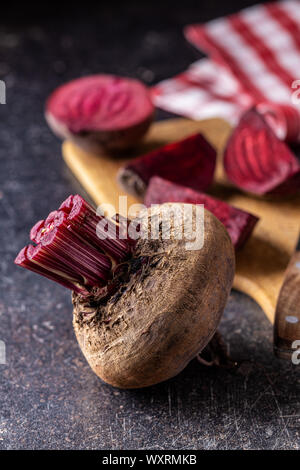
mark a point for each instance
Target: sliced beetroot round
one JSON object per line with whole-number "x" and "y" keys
{"x": 238, "y": 222}
{"x": 256, "y": 161}
{"x": 190, "y": 162}
{"x": 101, "y": 111}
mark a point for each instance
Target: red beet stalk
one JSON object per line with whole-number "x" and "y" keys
{"x": 255, "y": 160}
{"x": 69, "y": 249}
{"x": 27, "y": 259}
{"x": 82, "y": 219}
{"x": 238, "y": 223}
{"x": 190, "y": 162}
{"x": 102, "y": 111}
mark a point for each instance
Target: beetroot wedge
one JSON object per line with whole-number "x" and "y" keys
{"x": 100, "y": 112}
{"x": 190, "y": 162}
{"x": 256, "y": 161}
{"x": 238, "y": 223}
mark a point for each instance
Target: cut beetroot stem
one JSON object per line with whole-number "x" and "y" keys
{"x": 190, "y": 162}
{"x": 256, "y": 161}
{"x": 101, "y": 111}
{"x": 85, "y": 222}
{"x": 238, "y": 223}
{"x": 42, "y": 227}
{"x": 67, "y": 205}
{"x": 91, "y": 265}
{"x": 68, "y": 250}
{"x": 26, "y": 259}
{"x": 36, "y": 231}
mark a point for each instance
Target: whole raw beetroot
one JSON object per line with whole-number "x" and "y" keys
{"x": 100, "y": 112}
{"x": 139, "y": 322}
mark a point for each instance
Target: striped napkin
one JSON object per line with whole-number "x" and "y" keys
{"x": 254, "y": 60}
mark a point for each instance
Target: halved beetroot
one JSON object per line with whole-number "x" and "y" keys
{"x": 100, "y": 111}
{"x": 255, "y": 160}
{"x": 190, "y": 162}
{"x": 238, "y": 223}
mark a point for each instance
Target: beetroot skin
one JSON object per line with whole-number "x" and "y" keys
{"x": 238, "y": 223}
{"x": 100, "y": 112}
{"x": 190, "y": 162}
{"x": 256, "y": 161}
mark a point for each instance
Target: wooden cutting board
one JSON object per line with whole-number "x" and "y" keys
{"x": 262, "y": 261}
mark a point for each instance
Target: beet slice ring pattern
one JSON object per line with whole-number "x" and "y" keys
{"x": 100, "y": 111}
{"x": 256, "y": 161}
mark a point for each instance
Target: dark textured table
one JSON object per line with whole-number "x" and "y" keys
{"x": 49, "y": 397}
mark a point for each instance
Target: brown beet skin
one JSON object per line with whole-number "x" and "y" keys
{"x": 167, "y": 311}
{"x": 100, "y": 112}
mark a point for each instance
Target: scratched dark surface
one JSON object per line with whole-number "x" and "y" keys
{"x": 49, "y": 398}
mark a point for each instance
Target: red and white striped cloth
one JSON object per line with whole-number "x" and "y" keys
{"x": 254, "y": 59}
